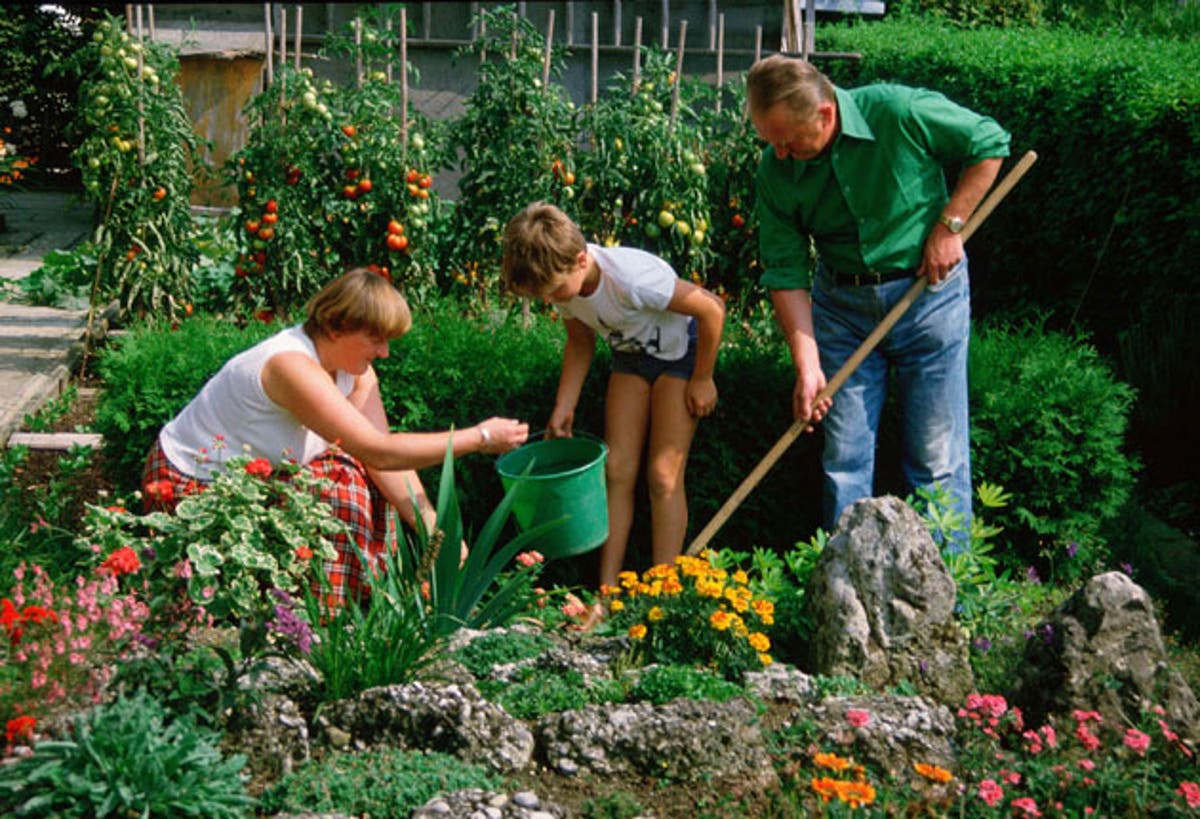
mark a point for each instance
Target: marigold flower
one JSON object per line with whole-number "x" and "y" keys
{"x": 831, "y": 761}
{"x": 655, "y": 614}
{"x": 857, "y": 718}
{"x": 932, "y": 772}
{"x": 19, "y": 728}
{"x": 856, "y": 794}
{"x": 616, "y": 605}
{"x": 766, "y": 659}
{"x": 759, "y": 641}
{"x": 637, "y": 631}
{"x": 990, "y": 792}
{"x": 1137, "y": 741}
{"x": 122, "y": 561}
{"x": 720, "y": 619}
{"x": 825, "y": 787}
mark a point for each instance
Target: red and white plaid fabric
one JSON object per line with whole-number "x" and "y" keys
{"x": 354, "y": 498}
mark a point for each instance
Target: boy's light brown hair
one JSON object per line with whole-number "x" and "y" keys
{"x": 540, "y": 244}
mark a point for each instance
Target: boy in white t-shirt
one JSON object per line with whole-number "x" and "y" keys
{"x": 664, "y": 333}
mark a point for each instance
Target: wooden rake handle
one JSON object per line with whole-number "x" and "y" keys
{"x": 852, "y": 363}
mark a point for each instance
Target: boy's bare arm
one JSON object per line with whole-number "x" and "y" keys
{"x": 709, "y": 312}
{"x": 577, "y": 359}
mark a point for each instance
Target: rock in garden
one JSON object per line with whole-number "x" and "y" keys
{"x": 450, "y": 718}
{"x": 683, "y": 740}
{"x": 474, "y": 802}
{"x": 889, "y": 731}
{"x": 1102, "y": 650}
{"x": 883, "y": 602}
{"x": 272, "y": 733}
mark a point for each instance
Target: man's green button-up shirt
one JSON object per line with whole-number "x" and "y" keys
{"x": 869, "y": 201}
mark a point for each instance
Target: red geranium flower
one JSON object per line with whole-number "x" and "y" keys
{"x": 260, "y": 467}
{"x": 161, "y": 491}
{"x": 304, "y": 553}
{"x": 122, "y": 561}
{"x": 19, "y": 728}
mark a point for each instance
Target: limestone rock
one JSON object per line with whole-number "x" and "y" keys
{"x": 889, "y": 731}
{"x": 1102, "y": 650}
{"x": 883, "y": 602}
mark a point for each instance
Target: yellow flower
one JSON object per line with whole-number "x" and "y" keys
{"x": 627, "y": 579}
{"x": 655, "y": 614}
{"x": 932, "y": 772}
{"x": 740, "y": 578}
{"x": 766, "y": 659}
{"x": 759, "y": 641}
{"x": 720, "y": 619}
{"x": 831, "y": 761}
{"x": 615, "y": 606}
{"x": 609, "y": 591}
{"x": 672, "y": 586}
{"x": 765, "y": 610}
{"x": 637, "y": 632}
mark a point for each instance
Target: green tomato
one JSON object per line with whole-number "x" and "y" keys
{"x": 666, "y": 218}
{"x": 682, "y": 228}
{"x": 418, "y": 142}
{"x": 653, "y": 230}
{"x": 697, "y": 168}
{"x": 698, "y": 236}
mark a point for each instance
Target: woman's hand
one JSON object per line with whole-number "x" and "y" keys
{"x": 499, "y": 435}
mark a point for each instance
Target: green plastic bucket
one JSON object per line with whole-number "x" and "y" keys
{"x": 566, "y": 479}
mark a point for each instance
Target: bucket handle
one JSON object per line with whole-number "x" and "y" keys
{"x": 541, "y": 433}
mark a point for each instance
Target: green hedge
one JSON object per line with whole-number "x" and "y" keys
{"x": 1048, "y": 418}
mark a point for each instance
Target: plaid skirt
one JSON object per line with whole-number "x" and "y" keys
{"x": 352, "y": 495}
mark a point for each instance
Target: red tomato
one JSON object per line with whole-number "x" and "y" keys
{"x": 396, "y": 242}
{"x": 252, "y": 226}
{"x": 159, "y": 194}
{"x": 395, "y": 227}
{"x": 350, "y": 192}
{"x": 425, "y": 181}
{"x": 271, "y": 207}
{"x": 350, "y": 131}
{"x": 266, "y": 233}
{"x": 270, "y": 217}
{"x": 364, "y": 186}
{"x": 738, "y": 220}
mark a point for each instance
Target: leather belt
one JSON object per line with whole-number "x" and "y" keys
{"x": 869, "y": 279}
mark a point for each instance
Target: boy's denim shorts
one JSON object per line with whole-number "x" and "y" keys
{"x": 650, "y": 368}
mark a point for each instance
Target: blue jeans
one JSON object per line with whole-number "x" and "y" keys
{"x": 925, "y": 355}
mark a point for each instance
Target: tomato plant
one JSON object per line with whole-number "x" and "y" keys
{"x": 645, "y": 179}
{"x": 136, "y": 154}
{"x": 515, "y": 144}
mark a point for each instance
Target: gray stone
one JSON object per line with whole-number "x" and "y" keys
{"x": 883, "y": 602}
{"x": 1102, "y": 650}
{"x": 273, "y": 732}
{"x": 899, "y": 732}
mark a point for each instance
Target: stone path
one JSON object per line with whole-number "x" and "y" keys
{"x": 39, "y": 346}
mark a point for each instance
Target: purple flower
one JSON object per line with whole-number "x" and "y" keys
{"x": 1072, "y": 548}
{"x": 148, "y": 554}
{"x": 1031, "y": 574}
{"x": 289, "y": 625}
{"x": 1127, "y": 568}
{"x": 1047, "y": 631}
{"x": 982, "y": 644}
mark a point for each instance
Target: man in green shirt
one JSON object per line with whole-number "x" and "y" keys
{"x": 858, "y": 176}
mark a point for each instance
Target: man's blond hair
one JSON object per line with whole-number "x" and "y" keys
{"x": 540, "y": 244}
{"x": 796, "y": 83}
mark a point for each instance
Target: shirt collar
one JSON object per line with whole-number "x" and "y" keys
{"x": 852, "y": 121}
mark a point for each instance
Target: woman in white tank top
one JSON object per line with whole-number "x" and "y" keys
{"x": 288, "y": 397}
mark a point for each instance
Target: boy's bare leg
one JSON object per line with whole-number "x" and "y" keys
{"x": 626, "y": 416}
{"x": 671, "y": 430}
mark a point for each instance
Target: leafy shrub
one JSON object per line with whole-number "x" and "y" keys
{"x": 375, "y": 783}
{"x": 692, "y": 613}
{"x": 127, "y": 759}
{"x": 616, "y": 805}
{"x": 1048, "y": 422}
{"x": 500, "y": 648}
{"x": 662, "y": 683}
{"x": 151, "y": 374}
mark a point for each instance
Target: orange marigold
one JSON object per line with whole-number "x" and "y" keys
{"x": 932, "y": 772}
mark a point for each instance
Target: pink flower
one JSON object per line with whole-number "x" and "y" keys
{"x": 574, "y": 608}
{"x": 1027, "y": 806}
{"x": 183, "y": 569}
{"x": 1050, "y": 735}
{"x": 531, "y": 558}
{"x": 990, "y": 792}
{"x": 1086, "y": 738}
{"x": 1010, "y": 777}
{"x": 857, "y": 718}
{"x": 1168, "y": 734}
{"x": 1137, "y": 741}
{"x": 1190, "y": 791}
{"x": 1033, "y": 741}
{"x": 1087, "y": 764}
{"x": 1087, "y": 716}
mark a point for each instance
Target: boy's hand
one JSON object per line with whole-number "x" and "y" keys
{"x": 560, "y": 423}
{"x": 701, "y": 396}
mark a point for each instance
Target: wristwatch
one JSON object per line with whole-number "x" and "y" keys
{"x": 954, "y": 224}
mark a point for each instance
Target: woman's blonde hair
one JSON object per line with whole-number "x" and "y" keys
{"x": 540, "y": 243}
{"x": 796, "y": 83}
{"x": 358, "y": 300}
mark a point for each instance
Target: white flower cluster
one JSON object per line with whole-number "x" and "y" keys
{"x": 19, "y": 110}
